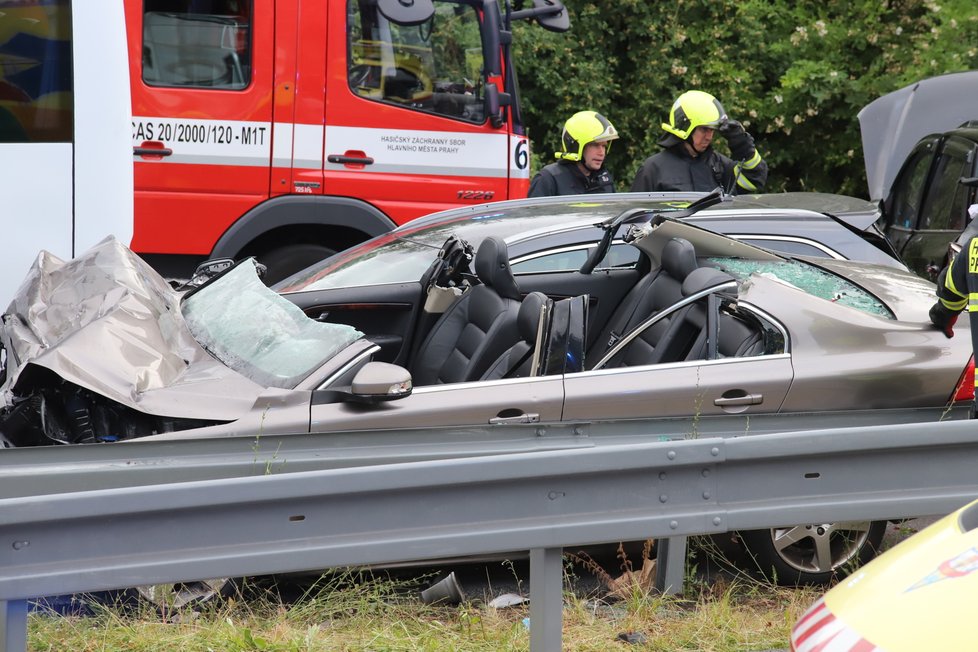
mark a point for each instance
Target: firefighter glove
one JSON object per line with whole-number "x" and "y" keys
{"x": 943, "y": 319}
{"x": 740, "y": 142}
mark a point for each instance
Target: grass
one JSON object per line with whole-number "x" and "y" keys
{"x": 347, "y": 612}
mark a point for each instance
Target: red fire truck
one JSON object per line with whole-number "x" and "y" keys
{"x": 289, "y": 129}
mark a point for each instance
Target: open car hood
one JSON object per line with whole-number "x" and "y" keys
{"x": 109, "y": 323}
{"x": 892, "y": 124}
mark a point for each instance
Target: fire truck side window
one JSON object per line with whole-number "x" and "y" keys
{"x": 197, "y": 43}
{"x": 435, "y": 67}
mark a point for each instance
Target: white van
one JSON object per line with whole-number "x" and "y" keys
{"x": 65, "y": 155}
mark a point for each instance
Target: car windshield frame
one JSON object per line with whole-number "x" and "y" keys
{"x": 256, "y": 332}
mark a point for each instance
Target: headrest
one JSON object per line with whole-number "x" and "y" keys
{"x": 529, "y": 315}
{"x": 678, "y": 258}
{"x": 492, "y": 268}
{"x": 702, "y": 278}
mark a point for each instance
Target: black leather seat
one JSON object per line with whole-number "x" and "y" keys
{"x": 735, "y": 338}
{"x": 654, "y": 292}
{"x": 477, "y": 328}
{"x": 686, "y": 334}
{"x": 516, "y": 362}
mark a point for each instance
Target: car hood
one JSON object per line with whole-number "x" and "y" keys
{"x": 108, "y": 322}
{"x": 892, "y": 124}
{"x": 916, "y": 596}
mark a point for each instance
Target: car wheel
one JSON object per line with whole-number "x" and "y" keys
{"x": 285, "y": 261}
{"x": 173, "y": 597}
{"x": 813, "y": 553}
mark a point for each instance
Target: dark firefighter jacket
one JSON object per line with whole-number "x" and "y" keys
{"x": 674, "y": 169}
{"x": 957, "y": 289}
{"x": 566, "y": 178}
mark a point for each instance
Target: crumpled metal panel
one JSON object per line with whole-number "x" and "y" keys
{"x": 108, "y": 322}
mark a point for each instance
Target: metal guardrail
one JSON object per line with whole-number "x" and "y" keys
{"x": 56, "y": 469}
{"x": 540, "y": 501}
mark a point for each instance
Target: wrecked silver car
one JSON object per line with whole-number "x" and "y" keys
{"x": 523, "y": 312}
{"x": 100, "y": 348}
{"x": 417, "y": 328}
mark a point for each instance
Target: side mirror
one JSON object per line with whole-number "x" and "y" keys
{"x": 495, "y": 101}
{"x": 381, "y": 381}
{"x": 551, "y": 14}
{"x": 209, "y": 269}
{"x": 407, "y": 12}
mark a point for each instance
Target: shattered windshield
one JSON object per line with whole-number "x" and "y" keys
{"x": 807, "y": 278}
{"x": 258, "y": 333}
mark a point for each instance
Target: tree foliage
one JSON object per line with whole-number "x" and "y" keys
{"x": 796, "y": 74}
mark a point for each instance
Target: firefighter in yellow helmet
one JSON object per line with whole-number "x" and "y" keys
{"x": 688, "y": 160}
{"x": 579, "y": 169}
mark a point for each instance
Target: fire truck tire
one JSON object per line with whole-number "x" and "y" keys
{"x": 284, "y": 261}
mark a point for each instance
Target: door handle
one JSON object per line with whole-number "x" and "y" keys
{"x": 350, "y": 160}
{"x": 524, "y": 417}
{"x": 152, "y": 151}
{"x": 741, "y": 398}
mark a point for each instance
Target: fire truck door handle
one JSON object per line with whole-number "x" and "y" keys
{"x": 350, "y": 160}
{"x": 152, "y": 151}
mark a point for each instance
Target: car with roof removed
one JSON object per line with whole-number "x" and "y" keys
{"x": 515, "y": 314}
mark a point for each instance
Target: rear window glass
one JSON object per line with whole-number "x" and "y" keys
{"x": 807, "y": 278}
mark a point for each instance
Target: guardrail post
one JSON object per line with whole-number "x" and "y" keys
{"x": 546, "y": 599}
{"x": 670, "y": 564}
{"x": 13, "y": 626}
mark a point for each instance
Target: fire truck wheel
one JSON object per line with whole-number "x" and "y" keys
{"x": 285, "y": 261}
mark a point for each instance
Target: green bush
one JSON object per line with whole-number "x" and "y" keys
{"x": 796, "y": 74}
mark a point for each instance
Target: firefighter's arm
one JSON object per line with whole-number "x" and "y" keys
{"x": 750, "y": 171}
{"x": 950, "y": 300}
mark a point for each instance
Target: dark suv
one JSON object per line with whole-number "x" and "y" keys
{"x": 919, "y": 146}
{"x": 928, "y": 203}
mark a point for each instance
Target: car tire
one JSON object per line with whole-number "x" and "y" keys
{"x": 812, "y": 554}
{"x": 285, "y": 261}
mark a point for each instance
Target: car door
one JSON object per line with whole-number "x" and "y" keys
{"x": 685, "y": 389}
{"x": 703, "y": 372}
{"x": 500, "y": 402}
{"x": 202, "y": 119}
{"x": 944, "y": 208}
{"x": 406, "y": 128}
{"x": 902, "y": 207}
{"x": 387, "y": 314}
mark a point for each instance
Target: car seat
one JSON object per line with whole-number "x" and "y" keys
{"x": 517, "y": 360}
{"x": 477, "y": 328}
{"x": 654, "y": 292}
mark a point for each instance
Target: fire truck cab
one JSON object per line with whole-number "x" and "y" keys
{"x": 290, "y": 129}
